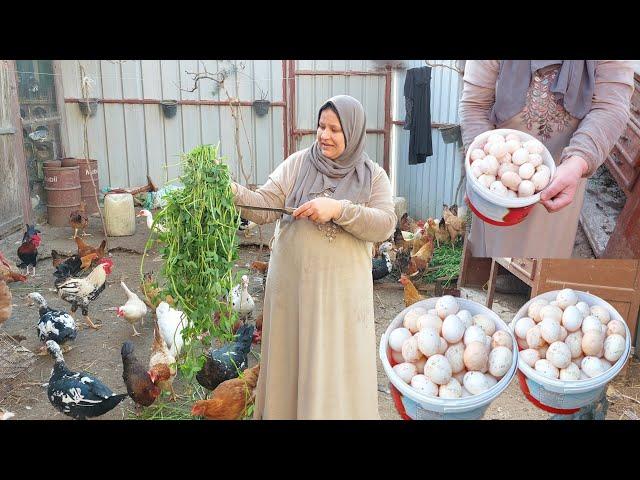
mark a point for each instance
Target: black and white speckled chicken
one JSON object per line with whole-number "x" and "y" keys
{"x": 382, "y": 265}
{"x": 56, "y": 325}
{"x": 228, "y": 361}
{"x": 78, "y": 394}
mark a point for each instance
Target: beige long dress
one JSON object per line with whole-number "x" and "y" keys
{"x": 318, "y": 358}
{"x": 543, "y": 234}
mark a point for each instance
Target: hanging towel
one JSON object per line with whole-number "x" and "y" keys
{"x": 417, "y": 93}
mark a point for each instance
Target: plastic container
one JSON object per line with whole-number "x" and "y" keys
{"x": 62, "y": 185}
{"x": 563, "y": 396}
{"x": 492, "y": 208}
{"x": 413, "y": 405}
{"x": 119, "y": 215}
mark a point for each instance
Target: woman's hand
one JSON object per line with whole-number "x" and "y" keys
{"x": 562, "y": 188}
{"x": 320, "y": 210}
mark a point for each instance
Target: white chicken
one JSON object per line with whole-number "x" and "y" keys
{"x": 132, "y": 311}
{"x": 242, "y": 302}
{"x": 171, "y": 323}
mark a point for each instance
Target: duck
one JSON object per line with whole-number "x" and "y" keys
{"x": 56, "y": 325}
{"x": 146, "y": 213}
{"x": 383, "y": 264}
{"x": 242, "y": 301}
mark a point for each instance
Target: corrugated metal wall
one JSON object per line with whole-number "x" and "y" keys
{"x": 311, "y": 91}
{"x": 427, "y": 186}
{"x": 133, "y": 140}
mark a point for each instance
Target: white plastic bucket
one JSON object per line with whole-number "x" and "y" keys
{"x": 558, "y": 394}
{"x": 420, "y": 407}
{"x": 492, "y": 208}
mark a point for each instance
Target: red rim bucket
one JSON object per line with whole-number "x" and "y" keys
{"x": 513, "y": 216}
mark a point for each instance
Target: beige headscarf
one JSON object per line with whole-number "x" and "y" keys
{"x": 349, "y": 176}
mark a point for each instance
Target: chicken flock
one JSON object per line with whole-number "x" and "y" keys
{"x": 79, "y": 279}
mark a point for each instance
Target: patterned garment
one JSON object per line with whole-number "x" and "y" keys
{"x": 329, "y": 229}
{"x": 544, "y": 112}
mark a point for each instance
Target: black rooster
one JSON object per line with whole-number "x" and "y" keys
{"x": 69, "y": 268}
{"x": 78, "y": 394}
{"x": 228, "y": 361}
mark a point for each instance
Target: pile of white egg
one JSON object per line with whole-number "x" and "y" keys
{"x": 568, "y": 339}
{"x": 509, "y": 167}
{"x": 447, "y": 352}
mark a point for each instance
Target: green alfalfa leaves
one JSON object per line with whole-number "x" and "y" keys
{"x": 200, "y": 248}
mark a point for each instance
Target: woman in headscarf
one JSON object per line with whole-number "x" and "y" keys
{"x": 577, "y": 108}
{"x": 318, "y": 358}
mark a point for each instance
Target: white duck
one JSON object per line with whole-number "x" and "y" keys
{"x": 171, "y": 323}
{"x": 242, "y": 302}
{"x": 146, "y": 213}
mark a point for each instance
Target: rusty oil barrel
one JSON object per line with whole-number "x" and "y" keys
{"x": 89, "y": 168}
{"x": 62, "y": 185}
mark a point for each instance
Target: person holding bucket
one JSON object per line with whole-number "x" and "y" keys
{"x": 577, "y": 109}
{"x": 318, "y": 357}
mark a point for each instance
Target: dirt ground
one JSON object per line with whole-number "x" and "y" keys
{"x": 99, "y": 351}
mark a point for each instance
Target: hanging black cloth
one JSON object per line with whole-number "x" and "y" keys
{"x": 417, "y": 94}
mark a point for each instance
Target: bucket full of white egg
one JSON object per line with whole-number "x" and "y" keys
{"x": 572, "y": 344}
{"x": 506, "y": 171}
{"x": 447, "y": 359}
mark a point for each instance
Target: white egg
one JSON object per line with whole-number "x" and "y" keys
{"x": 486, "y": 180}
{"x": 486, "y": 148}
{"x": 475, "y": 356}
{"x": 563, "y": 333}
{"x": 455, "y": 355}
{"x": 566, "y": 297}
{"x": 511, "y": 194}
{"x": 492, "y": 165}
{"x": 438, "y": 370}
{"x": 520, "y": 157}
{"x": 550, "y": 330}
{"x": 540, "y": 181}
{"x": 446, "y": 305}
{"x": 429, "y": 320}
{"x": 476, "y": 154}
{"x": 497, "y": 150}
{"x": 466, "y": 317}
{"x": 526, "y": 171}
{"x": 453, "y": 329}
{"x": 551, "y": 311}
{"x": 522, "y": 326}
{"x": 542, "y": 351}
{"x": 591, "y": 323}
{"x": 443, "y": 346}
{"x": 495, "y": 138}
{"x": 592, "y": 366}
{"x": 535, "y": 159}
{"x": 512, "y": 145}
{"x": 572, "y": 318}
{"x": 526, "y": 188}
{"x": 397, "y": 338}
{"x": 584, "y": 309}
{"x": 545, "y": 368}
{"x": 559, "y": 355}
{"x": 405, "y": 371}
{"x": 529, "y": 356}
{"x": 601, "y": 313}
{"x": 475, "y": 383}
{"x": 570, "y": 373}
{"x": 501, "y": 338}
{"x": 512, "y": 136}
{"x": 498, "y": 188}
{"x": 473, "y": 334}
{"x": 487, "y": 324}
{"x": 574, "y": 342}
{"x": 425, "y": 386}
{"x": 410, "y": 351}
{"x": 616, "y": 327}
{"x": 592, "y": 342}
{"x": 507, "y": 167}
{"x": 506, "y": 158}
{"x": 500, "y": 360}
{"x": 428, "y": 341}
{"x": 477, "y": 169}
{"x": 432, "y": 311}
{"x": 534, "y": 146}
{"x": 452, "y": 389}
{"x": 544, "y": 168}
{"x": 397, "y": 356}
{"x": 411, "y": 317}
{"x": 554, "y": 303}
{"x": 534, "y": 309}
{"x": 614, "y": 347}
{"x": 511, "y": 179}
{"x": 534, "y": 337}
